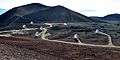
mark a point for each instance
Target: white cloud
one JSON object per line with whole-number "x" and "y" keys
{"x": 102, "y": 7}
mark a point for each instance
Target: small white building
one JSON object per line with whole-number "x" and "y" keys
{"x": 65, "y": 24}
{"x": 41, "y": 28}
{"x": 37, "y": 34}
{"x": 97, "y": 31}
{"x": 31, "y": 22}
{"x": 76, "y": 36}
{"x": 24, "y": 26}
{"x": 20, "y": 32}
{"x": 14, "y": 31}
{"x": 48, "y": 24}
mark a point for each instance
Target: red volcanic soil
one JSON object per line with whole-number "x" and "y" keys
{"x": 24, "y": 49}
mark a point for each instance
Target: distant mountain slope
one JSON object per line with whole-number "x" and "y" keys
{"x": 2, "y": 11}
{"x": 110, "y": 17}
{"x": 57, "y": 14}
{"x": 40, "y": 13}
{"x": 15, "y": 13}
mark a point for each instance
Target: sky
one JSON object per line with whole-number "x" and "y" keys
{"x": 2, "y": 11}
{"x": 85, "y": 7}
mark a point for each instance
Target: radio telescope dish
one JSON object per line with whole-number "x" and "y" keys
{"x": 31, "y": 22}
{"x": 24, "y": 26}
{"x": 97, "y": 31}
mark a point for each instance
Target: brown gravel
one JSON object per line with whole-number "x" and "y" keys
{"x": 21, "y": 49}
{"x": 8, "y": 52}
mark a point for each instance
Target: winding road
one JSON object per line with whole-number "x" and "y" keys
{"x": 109, "y": 38}
{"x": 43, "y": 37}
{"x": 108, "y": 45}
{"x": 43, "y": 34}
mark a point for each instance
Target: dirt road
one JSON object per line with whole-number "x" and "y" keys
{"x": 109, "y": 38}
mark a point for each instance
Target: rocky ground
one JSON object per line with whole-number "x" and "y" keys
{"x": 86, "y": 32}
{"x": 25, "y": 49}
